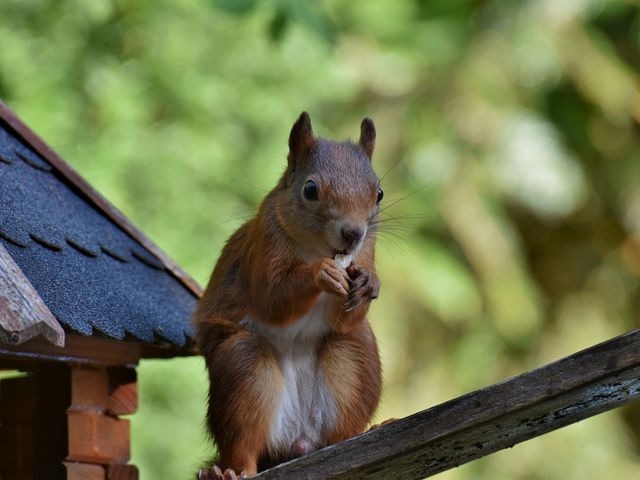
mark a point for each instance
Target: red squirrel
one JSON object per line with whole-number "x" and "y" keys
{"x": 293, "y": 363}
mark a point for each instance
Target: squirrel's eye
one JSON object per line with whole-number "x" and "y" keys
{"x": 310, "y": 190}
{"x": 380, "y": 195}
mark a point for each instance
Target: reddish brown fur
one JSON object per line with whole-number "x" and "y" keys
{"x": 357, "y": 387}
{"x": 274, "y": 269}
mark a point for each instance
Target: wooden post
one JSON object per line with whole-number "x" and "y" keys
{"x": 61, "y": 422}
{"x": 94, "y": 435}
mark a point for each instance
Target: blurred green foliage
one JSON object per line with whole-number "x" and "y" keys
{"x": 509, "y": 150}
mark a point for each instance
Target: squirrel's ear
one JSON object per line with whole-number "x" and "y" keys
{"x": 301, "y": 138}
{"x": 367, "y": 136}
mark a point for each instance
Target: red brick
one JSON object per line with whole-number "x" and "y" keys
{"x": 84, "y": 471}
{"x": 122, "y": 472}
{"x": 97, "y": 438}
{"x": 123, "y": 391}
{"x": 124, "y": 399}
{"x": 89, "y": 388}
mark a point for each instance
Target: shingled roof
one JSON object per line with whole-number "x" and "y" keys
{"x": 96, "y": 273}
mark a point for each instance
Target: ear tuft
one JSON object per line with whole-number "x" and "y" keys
{"x": 367, "y": 136}
{"x": 301, "y": 138}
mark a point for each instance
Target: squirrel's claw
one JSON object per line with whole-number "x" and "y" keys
{"x": 214, "y": 473}
{"x": 363, "y": 287}
{"x": 332, "y": 278}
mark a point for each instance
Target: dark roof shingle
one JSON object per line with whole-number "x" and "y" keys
{"x": 94, "y": 277}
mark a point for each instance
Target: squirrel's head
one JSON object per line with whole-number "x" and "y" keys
{"x": 329, "y": 194}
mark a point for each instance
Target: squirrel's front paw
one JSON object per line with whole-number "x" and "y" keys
{"x": 214, "y": 473}
{"x": 332, "y": 278}
{"x": 364, "y": 286}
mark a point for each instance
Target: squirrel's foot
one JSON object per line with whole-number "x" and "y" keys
{"x": 214, "y": 473}
{"x": 382, "y": 424}
{"x": 332, "y": 278}
{"x": 364, "y": 286}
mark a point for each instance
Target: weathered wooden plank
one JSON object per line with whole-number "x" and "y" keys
{"x": 23, "y": 314}
{"x": 595, "y": 380}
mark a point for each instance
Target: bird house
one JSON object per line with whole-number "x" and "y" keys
{"x": 84, "y": 296}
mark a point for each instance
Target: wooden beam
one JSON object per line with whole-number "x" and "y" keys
{"x": 86, "y": 349}
{"x": 23, "y": 314}
{"x": 79, "y": 349}
{"x": 595, "y": 380}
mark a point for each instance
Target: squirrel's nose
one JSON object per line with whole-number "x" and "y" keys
{"x": 351, "y": 235}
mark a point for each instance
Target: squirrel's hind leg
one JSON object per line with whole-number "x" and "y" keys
{"x": 357, "y": 388}
{"x": 245, "y": 385}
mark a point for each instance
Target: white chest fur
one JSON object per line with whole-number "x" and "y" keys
{"x": 307, "y": 407}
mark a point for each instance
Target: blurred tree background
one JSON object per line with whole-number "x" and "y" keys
{"x": 509, "y": 151}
